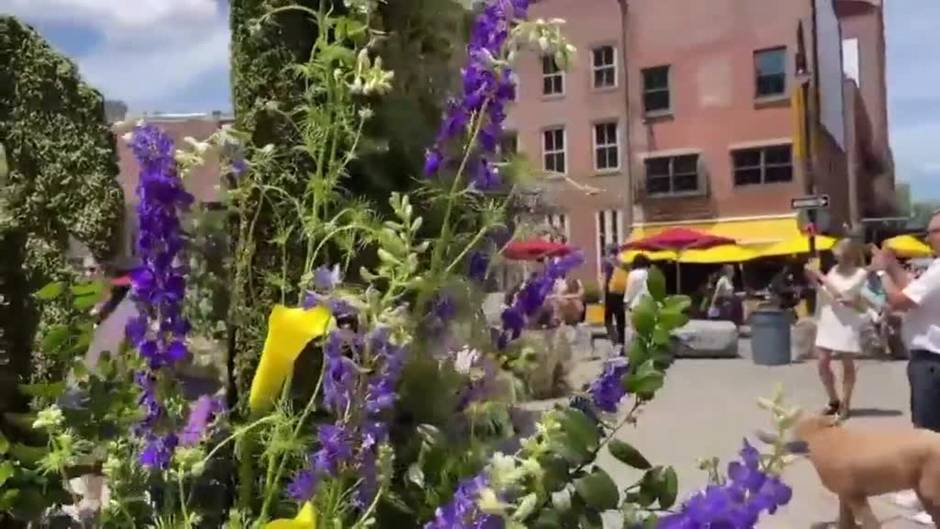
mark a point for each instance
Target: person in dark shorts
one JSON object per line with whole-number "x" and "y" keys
{"x": 919, "y": 300}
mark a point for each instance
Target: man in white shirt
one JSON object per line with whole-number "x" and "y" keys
{"x": 919, "y": 300}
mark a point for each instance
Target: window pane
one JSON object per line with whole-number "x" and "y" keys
{"x": 600, "y": 159}
{"x": 605, "y": 133}
{"x": 746, "y": 158}
{"x": 657, "y": 167}
{"x": 656, "y": 78}
{"x": 771, "y": 85}
{"x": 547, "y": 85}
{"x": 548, "y": 65}
{"x": 603, "y": 56}
{"x": 747, "y": 176}
{"x": 560, "y": 162}
{"x": 657, "y": 185}
{"x": 685, "y": 164}
{"x": 778, "y": 173}
{"x": 655, "y": 101}
{"x": 509, "y": 145}
{"x": 559, "y": 138}
{"x": 550, "y": 162}
{"x": 769, "y": 62}
{"x": 613, "y": 157}
{"x": 685, "y": 182}
{"x": 604, "y": 77}
{"x": 777, "y": 155}
{"x": 548, "y": 142}
{"x": 557, "y": 86}
{"x": 770, "y": 71}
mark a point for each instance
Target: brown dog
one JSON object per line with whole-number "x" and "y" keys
{"x": 856, "y": 464}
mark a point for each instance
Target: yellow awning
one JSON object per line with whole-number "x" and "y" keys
{"x": 796, "y": 245}
{"x": 746, "y": 231}
{"x": 908, "y": 246}
{"x": 726, "y": 253}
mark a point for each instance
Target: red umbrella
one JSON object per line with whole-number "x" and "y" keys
{"x": 678, "y": 239}
{"x": 121, "y": 281}
{"x": 534, "y": 249}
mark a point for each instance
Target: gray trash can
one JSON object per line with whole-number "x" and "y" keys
{"x": 770, "y": 337}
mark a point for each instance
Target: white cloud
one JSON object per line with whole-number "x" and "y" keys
{"x": 113, "y": 14}
{"x": 150, "y": 52}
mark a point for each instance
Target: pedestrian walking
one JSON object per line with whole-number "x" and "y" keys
{"x": 722, "y": 303}
{"x": 614, "y": 315}
{"x": 637, "y": 288}
{"x": 840, "y": 322}
{"x": 919, "y": 301}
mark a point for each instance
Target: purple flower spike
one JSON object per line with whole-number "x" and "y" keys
{"x": 607, "y": 391}
{"x": 485, "y": 86}
{"x": 201, "y": 414}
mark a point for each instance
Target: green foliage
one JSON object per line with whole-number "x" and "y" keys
{"x": 59, "y": 181}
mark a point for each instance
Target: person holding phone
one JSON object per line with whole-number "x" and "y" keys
{"x": 840, "y": 321}
{"x": 918, "y": 299}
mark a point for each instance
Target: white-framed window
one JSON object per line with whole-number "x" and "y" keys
{"x": 770, "y": 72}
{"x": 559, "y": 224}
{"x": 606, "y": 146}
{"x": 553, "y": 77}
{"x": 604, "y": 66}
{"x": 553, "y": 150}
{"x": 609, "y": 224}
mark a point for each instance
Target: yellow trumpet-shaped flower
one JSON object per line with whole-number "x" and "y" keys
{"x": 306, "y": 519}
{"x": 289, "y": 331}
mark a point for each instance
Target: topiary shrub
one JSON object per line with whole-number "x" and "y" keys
{"x": 59, "y": 181}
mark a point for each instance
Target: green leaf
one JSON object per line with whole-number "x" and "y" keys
{"x": 645, "y": 381}
{"x": 639, "y": 352}
{"x": 547, "y": 519}
{"x": 50, "y": 291}
{"x": 555, "y": 474}
{"x": 8, "y": 499}
{"x": 628, "y": 455}
{"x": 28, "y": 455}
{"x": 54, "y": 337}
{"x": 656, "y": 283}
{"x": 670, "y": 319}
{"x": 49, "y": 390}
{"x": 4, "y": 444}
{"x": 84, "y": 302}
{"x": 644, "y": 316}
{"x": 661, "y": 336}
{"x": 669, "y": 488}
{"x": 679, "y": 303}
{"x": 598, "y": 490}
{"x": 85, "y": 289}
{"x": 580, "y": 428}
{"x": 6, "y": 472}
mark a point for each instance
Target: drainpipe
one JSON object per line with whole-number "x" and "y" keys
{"x": 628, "y": 146}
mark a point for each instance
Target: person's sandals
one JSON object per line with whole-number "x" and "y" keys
{"x": 834, "y": 408}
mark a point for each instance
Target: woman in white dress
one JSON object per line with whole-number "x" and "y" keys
{"x": 840, "y": 320}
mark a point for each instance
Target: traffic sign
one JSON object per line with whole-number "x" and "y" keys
{"x": 810, "y": 202}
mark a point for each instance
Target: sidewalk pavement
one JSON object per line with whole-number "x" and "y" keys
{"x": 708, "y": 406}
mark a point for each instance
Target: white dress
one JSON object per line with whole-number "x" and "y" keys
{"x": 839, "y": 325}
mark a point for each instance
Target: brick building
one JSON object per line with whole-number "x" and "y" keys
{"x": 725, "y": 111}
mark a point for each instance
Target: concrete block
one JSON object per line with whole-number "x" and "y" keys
{"x": 707, "y": 339}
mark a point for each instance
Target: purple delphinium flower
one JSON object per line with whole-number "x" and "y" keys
{"x": 358, "y": 402}
{"x": 478, "y": 265}
{"x": 486, "y": 89}
{"x": 158, "y": 451}
{"x": 607, "y": 391}
{"x": 326, "y": 279}
{"x": 158, "y": 284}
{"x": 202, "y": 413}
{"x": 738, "y": 503}
{"x": 462, "y": 511}
{"x": 531, "y": 297}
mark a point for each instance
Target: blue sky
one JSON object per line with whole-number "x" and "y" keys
{"x": 172, "y": 56}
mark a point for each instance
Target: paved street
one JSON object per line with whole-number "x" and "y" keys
{"x": 707, "y": 406}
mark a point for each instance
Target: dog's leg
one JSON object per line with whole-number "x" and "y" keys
{"x": 863, "y": 513}
{"x": 846, "y": 516}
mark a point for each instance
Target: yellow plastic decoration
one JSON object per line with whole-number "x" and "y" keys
{"x": 306, "y": 519}
{"x": 289, "y": 330}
